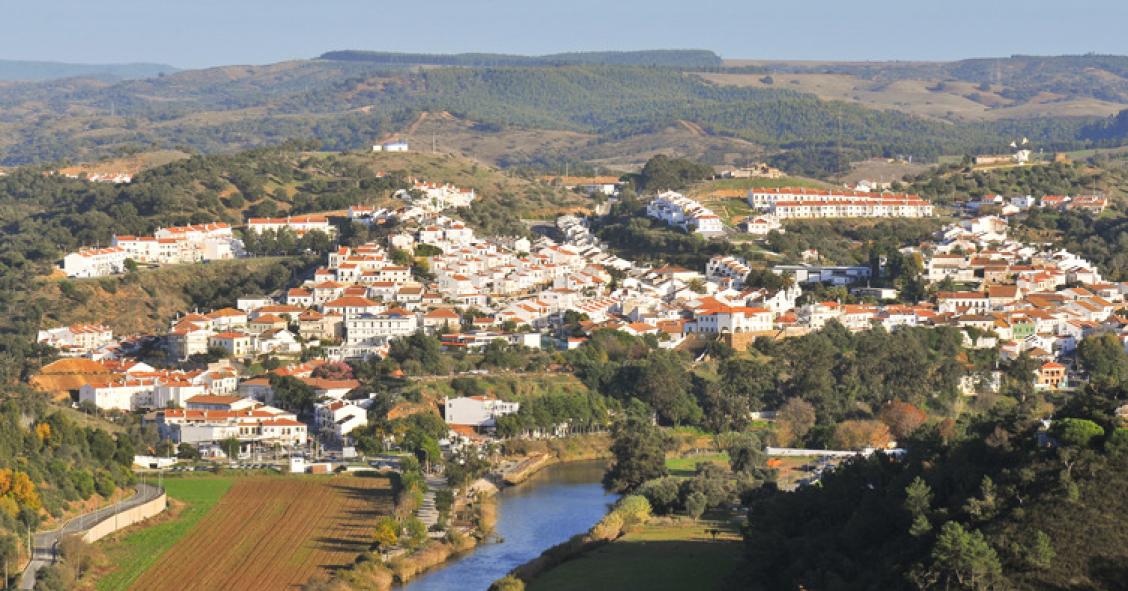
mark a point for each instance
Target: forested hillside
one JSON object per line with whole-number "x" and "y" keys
{"x": 49, "y": 465}
{"x": 992, "y": 502}
{"x": 349, "y": 102}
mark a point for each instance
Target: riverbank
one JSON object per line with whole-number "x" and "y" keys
{"x": 373, "y": 571}
{"x": 532, "y": 456}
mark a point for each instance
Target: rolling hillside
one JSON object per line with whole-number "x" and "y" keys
{"x": 987, "y": 89}
{"x": 611, "y": 109}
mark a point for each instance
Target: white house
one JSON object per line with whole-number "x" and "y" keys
{"x": 731, "y": 319}
{"x": 477, "y": 411}
{"x": 78, "y": 338}
{"x": 340, "y": 417}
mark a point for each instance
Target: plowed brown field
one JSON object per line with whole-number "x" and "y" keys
{"x": 273, "y": 533}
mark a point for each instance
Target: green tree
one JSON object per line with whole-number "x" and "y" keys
{"x": 662, "y": 173}
{"x": 963, "y": 559}
{"x": 187, "y": 451}
{"x": 1103, "y": 356}
{"x": 83, "y": 482}
{"x": 1038, "y": 551}
{"x": 664, "y": 382}
{"x": 639, "y": 449}
{"x": 746, "y": 453}
{"x": 918, "y": 497}
{"x": 230, "y": 447}
{"x": 695, "y": 505}
{"x": 293, "y": 394}
{"x": 1077, "y": 432}
{"x": 104, "y": 483}
{"x": 662, "y": 493}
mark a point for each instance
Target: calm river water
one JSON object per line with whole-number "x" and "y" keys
{"x": 552, "y": 506}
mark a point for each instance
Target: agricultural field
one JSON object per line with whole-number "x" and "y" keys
{"x": 273, "y": 533}
{"x": 142, "y": 545}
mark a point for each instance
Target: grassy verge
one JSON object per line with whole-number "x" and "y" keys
{"x": 138, "y": 549}
{"x": 664, "y": 554}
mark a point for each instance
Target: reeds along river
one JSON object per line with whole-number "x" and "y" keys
{"x": 553, "y": 505}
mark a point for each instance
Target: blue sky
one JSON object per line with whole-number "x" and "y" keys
{"x": 196, "y": 33}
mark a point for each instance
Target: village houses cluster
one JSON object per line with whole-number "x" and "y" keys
{"x": 469, "y": 291}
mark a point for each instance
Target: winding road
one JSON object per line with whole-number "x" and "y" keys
{"x": 43, "y": 551}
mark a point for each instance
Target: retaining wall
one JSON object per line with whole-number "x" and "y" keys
{"x": 125, "y": 519}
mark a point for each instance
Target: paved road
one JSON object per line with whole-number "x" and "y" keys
{"x": 43, "y": 551}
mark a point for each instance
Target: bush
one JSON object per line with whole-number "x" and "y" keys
{"x": 508, "y": 583}
{"x": 609, "y": 527}
{"x": 635, "y": 510}
{"x": 104, "y": 483}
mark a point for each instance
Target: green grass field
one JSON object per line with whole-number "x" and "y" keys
{"x": 139, "y": 549}
{"x": 657, "y": 557}
{"x": 687, "y": 466}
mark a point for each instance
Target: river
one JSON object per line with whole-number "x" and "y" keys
{"x": 553, "y": 505}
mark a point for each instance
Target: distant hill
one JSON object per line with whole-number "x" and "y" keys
{"x": 673, "y": 58}
{"x": 31, "y": 71}
{"x": 548, "y": 112}
{"x": 1019, "y": 86}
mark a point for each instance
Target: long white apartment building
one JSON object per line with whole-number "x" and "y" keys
{"x": 805, "y": 203}
{"x": 298, "y": 224}
{"x": 182, "y": 244}
{"x": 95, "y": 262}
{"x": 676, "y": 209}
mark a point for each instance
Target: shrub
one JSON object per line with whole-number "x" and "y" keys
{"x": 635, "y": 510}
{"x": 609, "y": 527}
